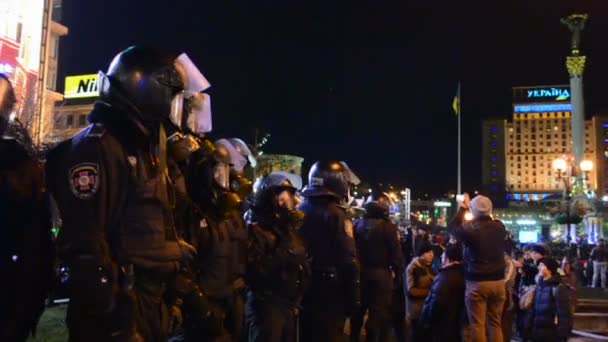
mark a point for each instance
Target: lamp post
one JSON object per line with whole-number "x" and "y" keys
{"x": 568, "y": 172}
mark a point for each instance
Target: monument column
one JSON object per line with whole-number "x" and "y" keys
{"x": 575, "y": 63}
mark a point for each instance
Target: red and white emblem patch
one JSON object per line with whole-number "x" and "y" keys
{"x": 84, "y": 180}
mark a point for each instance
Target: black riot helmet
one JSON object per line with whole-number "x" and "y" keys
{"x": 7, "y": 102}
{"x": 277, "y": 182}
{"x": 378, "y": 205}
{"x": 265, "y": 204}
{"x": 330, "y": 178}
{"x": 208, "y": 179}
{"x": 145, "y": 81}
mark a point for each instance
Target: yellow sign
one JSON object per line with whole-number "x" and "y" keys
{"x": 82, "y": 86}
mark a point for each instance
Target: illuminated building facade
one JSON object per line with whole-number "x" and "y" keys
{"x": 51, "y": 97}
{"x": 533, "y": 141}
{"x": 539, "y": 132}
{"x": 29, "y": 45}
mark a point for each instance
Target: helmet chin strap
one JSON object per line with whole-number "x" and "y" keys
{"x": 162, "y": 166}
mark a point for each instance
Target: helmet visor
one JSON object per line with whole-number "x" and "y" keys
{"x": 177, "y": 109}
{"x": 221, "y": 175}
{"x": 198, "y": 116}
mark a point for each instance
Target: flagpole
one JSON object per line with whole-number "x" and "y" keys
{"x": 459, "y": 187}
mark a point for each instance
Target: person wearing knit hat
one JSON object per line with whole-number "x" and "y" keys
{"x": 550, "y": 265}
{"x": 419, "y": 276}
{"x": 423, "y": 248}
{"x": 481, "y": 206}
{"x": 483, "y": 239}
{"x": 552, "y": 308}
{"x": 539, "y": 251}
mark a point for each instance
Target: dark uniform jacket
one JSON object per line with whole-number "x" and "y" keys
{"x": 112, "y": 197}
{"x": 329, "y": 239}
{"x": 378, "y": 241}
{"x": 216, "y": 256}
{"x": 444, "y": 307}
{"x": 278, "y": 267}
{"x": 26, "y": 248}
{"x": 116, "y": 212}
{"x": 484, "y": 246}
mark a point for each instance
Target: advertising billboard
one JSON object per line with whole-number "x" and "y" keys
{"x": 81, "y": 86}
{"x": 20, "y": 48}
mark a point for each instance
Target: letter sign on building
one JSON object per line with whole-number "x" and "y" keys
{"x": 82, "y": 86}
{"x": 551, "y": 94}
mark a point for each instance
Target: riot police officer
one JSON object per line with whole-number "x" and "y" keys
{"x": 327, "y": 231}
{"x": 111, "y": 185}
{"x": 278, "y": 268}
{"x": 26, "y": 249}
{"x": 208, "y": 183}
{"x": 381, "y": 260}
{"x": 241, "y": 161}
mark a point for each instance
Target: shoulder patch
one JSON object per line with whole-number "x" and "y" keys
{"x": 84, "y": 180}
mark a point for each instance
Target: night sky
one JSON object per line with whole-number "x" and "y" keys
{"x": 370, "y": 84}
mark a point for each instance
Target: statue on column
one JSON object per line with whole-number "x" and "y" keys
{"x": 576, "y": 24}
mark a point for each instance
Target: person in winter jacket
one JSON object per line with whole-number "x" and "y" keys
{"x": 443, "y": 311}
{"x": 484, "y": 266}
{"x": 552, "y": 310}
{"x": 599, "y": 255}
{"x": 418, "y": 281}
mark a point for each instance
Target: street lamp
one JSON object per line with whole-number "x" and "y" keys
{"x": 586, "y": 165}
{"x": 568, "y": 172}
{"x": 559, "y": 165}
{"x": 564, "y": 170}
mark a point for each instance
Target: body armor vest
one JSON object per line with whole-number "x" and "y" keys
{"x": 148, "y": 237}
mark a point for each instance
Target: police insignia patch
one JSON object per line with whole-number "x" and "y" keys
{"x": 84, "y": 180}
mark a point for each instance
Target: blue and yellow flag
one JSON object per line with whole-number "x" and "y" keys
{"x": 456, "y": 102}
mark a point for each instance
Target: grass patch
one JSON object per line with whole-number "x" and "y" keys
{"x": 52, "y": 326}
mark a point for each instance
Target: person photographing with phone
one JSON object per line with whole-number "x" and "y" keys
{"x": 483, "y": 239}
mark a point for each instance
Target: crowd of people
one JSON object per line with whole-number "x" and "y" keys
{"x": 166, "y": 238}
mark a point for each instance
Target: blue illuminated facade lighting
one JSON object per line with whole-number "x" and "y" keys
{"x": 536, "y": 108}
